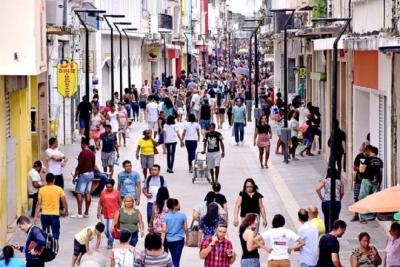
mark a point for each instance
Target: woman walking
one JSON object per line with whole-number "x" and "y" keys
{"x": 294, "y": 126}
{"x": 209, "y": 222}
{"x": 174, "y": 230}
{"x": 392, "y": 258}
{"x": 161, "y": 122}
{"x": 365, "y": 255}
{"x": 123, "y": 254}
{"x": 220, "y": 110}
{"x": 325, "y": 184}
{"x": 122, "y": 117}
{"x": 191, "y": 135}
{"x": 217, "y": 197}
{"x": 142, "y": 104}
{"x": 130, "y": 219}
{"x": 112, "y": 118}
{"x": 160, "y": 209}
{"x": 171, "y": 136}
{"x": 229, "y": 106}
{"x": 127, "y": 97}
{"x": 96, "y": 121}
{"x": 135, "y": 104}
{"x": 168, "y": 108}
{"x": 247, "y": 234}
{"x": 249, "y": 201}
{"x": 264, "y": 134}
{"x": 146, "y": 150}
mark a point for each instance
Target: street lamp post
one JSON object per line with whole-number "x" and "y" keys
{"x": 334, "y": 128}
{"x": 164, "y": 80}
{"x": 87, "y": 92}
{"x": 188, "y": 56}
{"x": 112, "y": 49}
{"x": 120, "y": 55}
{"x": 129, "y": 53}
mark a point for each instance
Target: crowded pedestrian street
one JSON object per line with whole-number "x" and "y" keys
{"x": 189, "y": 133}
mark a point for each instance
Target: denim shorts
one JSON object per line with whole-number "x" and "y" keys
{"x": 82, "y": 123}
{"x": 204, "y": 124}
{"x": 84, "y": 183}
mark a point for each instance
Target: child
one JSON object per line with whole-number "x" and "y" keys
{"x": 308, "y": 137}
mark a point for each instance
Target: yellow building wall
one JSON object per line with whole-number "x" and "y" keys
{"x": 20, "y": 105}
{"x": 3, "y": 163}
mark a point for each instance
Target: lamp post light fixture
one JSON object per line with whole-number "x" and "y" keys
{"x": 87, "y": 92}
{"x": 112, "y": 48}
{"x": 120, "y": 55}
{"x": 334, "y": 127}
{"x": 129, "y": 53}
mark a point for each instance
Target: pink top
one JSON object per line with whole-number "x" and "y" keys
{"x": 393, "y": 252}
{"x": 122, "y": 118}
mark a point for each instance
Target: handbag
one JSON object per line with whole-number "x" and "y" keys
{"x": 116, "y": 231}
{"x": 193, "y": 239}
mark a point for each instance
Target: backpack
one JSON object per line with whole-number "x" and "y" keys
{"x": 50, "y": 249}
{"x": 149, "y": 178}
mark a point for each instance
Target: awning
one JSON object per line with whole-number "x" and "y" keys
{"x": 326, "y": 44}
{"x": 173, "y": 51}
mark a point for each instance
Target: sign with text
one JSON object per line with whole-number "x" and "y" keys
{"x": 67, "y": 78}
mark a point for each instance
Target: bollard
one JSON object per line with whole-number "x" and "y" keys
{"x": 286, "y": 135}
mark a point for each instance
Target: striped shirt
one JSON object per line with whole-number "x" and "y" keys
{"x": 145, "y": 260}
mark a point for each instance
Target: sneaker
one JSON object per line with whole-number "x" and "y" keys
{"x": 109, "y": 246}
{"x": 85, "y": 215}
{"x": 76, "y": 216}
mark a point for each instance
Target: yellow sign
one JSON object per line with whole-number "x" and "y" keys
{"x": 302, "y": 73}
{"x": 67, "y": 78}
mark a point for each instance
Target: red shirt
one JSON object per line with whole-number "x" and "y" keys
{"x": 218, "y": 256}
{"x": 109, "y": 201}
{"x": 86, "y": 161}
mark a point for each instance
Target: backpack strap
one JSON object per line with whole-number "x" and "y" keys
{"x": 162, "y": 181}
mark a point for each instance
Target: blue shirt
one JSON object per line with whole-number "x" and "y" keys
{"x": 127, "y": 183}
{"x": 14, "y": 262}
{"x": 175, "y": 221}
{"x": 238, "y": 113}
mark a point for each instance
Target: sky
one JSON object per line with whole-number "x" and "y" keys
{"x": 237, "y": 6}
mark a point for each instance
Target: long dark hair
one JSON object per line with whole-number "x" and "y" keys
{"x": 211, "y": 215}
{"x": 8, "y": 253}
{"x": 168, "y": 102}
{"x": 162, "y": 195}
{"x": 247, "y": 221}
{"x": 250, "y": 180}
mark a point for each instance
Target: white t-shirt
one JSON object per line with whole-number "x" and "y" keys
{"x": 54, "y": 166}
{"x": 309, "y": 252}
{"x": 152, "y": 112}
{"x": 293, "y": 123}
{"x": 303, "y": 113}
{"x": 113, "y": 121}
{"x": 33, "y": 176}
{"x": 196, "y": 100}
{"x": 279, "y": 240}
{"x": 191, "y": 131}
{"x": 170, "y": 133}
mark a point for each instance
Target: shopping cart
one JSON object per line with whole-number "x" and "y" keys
{"x": 200, "y": 169}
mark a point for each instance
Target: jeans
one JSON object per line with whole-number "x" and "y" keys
{"x": 59, "y": 181}
{"x": 35, "y": 263}
{"x": 249, "y": 106}
{"x": 191, "y": 146}
{"x": 171, "y": 147}
{"x": 34, "y": 203}
{"x": 134, "y": 239}
{"x": 238, "y": 128}
{"x": 367, "y": 188}
{"x": 128, "y": 109}
{"x": 135, "y": 110}
{"x": 53, "y": 222}
{"x": 175, "y": 248}
{"x": 149, "y": 211}
{"x": 103, "y": 180}
{"x": 325, "y": 209}
{"x": 295, "y": 143}
{"x": 108, "y": 230}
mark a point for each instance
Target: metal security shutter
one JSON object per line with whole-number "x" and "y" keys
{"x": 382, "y": 143}
{"x": 8, "y": 115}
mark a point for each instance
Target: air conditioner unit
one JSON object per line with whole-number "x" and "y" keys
{"x": 54, "y": 12}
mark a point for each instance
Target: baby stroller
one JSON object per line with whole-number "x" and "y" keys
{"x": 200, "y": 169}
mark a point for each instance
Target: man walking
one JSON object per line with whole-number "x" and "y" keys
{"x": 195, "y": 102}
{"x": 372, "y": 179}
{"x": 152, "y": 115}
{"x": 109, "y": 147}
{"x": 309, "y": 233}
{"x": 213, "y": 144}
{"x": 83, "y": 177}
{"x": 34, "y": 235}
{"x": 83, "y": 112}
{"x": 217, "y": 251}
{"x": 329, "y": 246}
{"x": 129, "y": 182}
{"x": 359, "y": 167}
{"x": 49, "y": 200}
{"x": 239, "y": 120}
{"x": 150, "y": 188}
{"x": 34, "y": 183}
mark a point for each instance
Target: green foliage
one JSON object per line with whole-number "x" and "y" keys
{"x": 319, "y": 9}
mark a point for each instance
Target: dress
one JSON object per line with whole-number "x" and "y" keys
{"x": 122, "y": 120}
{"x": 112, "y": 117}
{"x": 364, "y": 260}
{"x": 263, "y": 137}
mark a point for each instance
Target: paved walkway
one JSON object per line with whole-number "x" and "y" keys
{"x": 285, "y": 189}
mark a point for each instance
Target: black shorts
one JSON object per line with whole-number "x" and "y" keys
{"x": 79, "y": 248}
{"x": 142, "y": 105}
{"x": 221, "y": 111}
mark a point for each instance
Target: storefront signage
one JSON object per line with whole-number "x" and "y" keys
{"x": 318, "y": 76}
{"x": 302, "y": 73}
{"x": 67, "y": 78}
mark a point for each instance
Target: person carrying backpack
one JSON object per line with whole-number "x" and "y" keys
{"x": 35, "y": 243}
{"x": 150, "y": 188}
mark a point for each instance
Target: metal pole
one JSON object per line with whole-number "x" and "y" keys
{"x": 229, "y": 49}
{"x": 129, "y": 59}
{"x": 250, "y": 59}
{"x": 216, "y": 51}
{"x": 256, "y": 70}
{"x": 165, "y": 60}
{"x": 120, "y": 65}
{"x": 112, "y": 56}
{"x": 335, "y": 173}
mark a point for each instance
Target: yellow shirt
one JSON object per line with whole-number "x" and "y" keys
{"x": 50, "y": 196}
{"x": 319, "y": 223}
{"x": 81, "y": 236}
{"x": 146, "y": 147}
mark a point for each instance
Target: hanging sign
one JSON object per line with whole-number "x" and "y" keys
{"x": 67, "y": 78}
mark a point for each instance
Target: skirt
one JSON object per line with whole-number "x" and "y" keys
{"x": 251, "y": 262}
{"x": 263, "y": 140}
